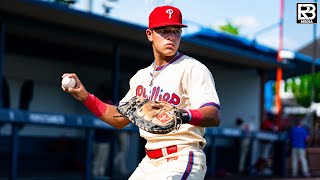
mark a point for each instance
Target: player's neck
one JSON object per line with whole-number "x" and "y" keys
{"x": 164, "y": 60}
{"x": 160, "y": 62}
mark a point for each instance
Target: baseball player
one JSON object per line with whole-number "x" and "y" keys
{"x": 178, "y": 79}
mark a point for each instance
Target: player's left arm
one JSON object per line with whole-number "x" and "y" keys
{"x": 207, "y": 116}
{"x": 200, "y": 87}
{"x": 210, "y": 116}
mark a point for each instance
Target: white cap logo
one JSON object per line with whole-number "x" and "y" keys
{"x": 169, "y": 11}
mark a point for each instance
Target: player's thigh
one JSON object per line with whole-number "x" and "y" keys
{"x": 193, "y": 168}
{"x": 143, "y": 170}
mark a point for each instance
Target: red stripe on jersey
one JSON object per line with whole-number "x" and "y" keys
{"x": 189, "y": 166}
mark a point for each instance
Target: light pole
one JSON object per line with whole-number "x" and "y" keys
{"x": 279, "y": 69}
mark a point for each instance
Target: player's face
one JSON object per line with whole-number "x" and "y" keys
{"x": 166, "y": 40}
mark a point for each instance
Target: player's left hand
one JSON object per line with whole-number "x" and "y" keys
{"x": 157, "y": 117}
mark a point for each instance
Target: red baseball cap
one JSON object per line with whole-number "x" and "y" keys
{"x": 165, "y": 16}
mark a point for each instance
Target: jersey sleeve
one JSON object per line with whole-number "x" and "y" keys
{"x": 200, "y": 86}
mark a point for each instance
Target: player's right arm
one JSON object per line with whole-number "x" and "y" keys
{"x": 106, "y": 112}
{"x": 111, "y": 116}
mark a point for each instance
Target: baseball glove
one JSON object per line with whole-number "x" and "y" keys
{"x": 154, "y": 120}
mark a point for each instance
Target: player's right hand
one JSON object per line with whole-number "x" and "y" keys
{"x": 79, "y": 92}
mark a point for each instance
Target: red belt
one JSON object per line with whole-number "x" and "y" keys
{"x": 158, "y": 153}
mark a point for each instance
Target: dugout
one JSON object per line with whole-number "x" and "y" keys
{"x": 41, "y": 40}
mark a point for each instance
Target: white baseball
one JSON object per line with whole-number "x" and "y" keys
{"x": 68, "y": 82}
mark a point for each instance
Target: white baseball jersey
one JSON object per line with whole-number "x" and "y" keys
{"x": 185, "y": 83}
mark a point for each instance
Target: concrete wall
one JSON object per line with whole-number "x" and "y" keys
{"x": 238, "y": 90}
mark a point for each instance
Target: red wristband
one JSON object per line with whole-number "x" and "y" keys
{"x": 95, "y": 105}
{"x": 196, "y": 117}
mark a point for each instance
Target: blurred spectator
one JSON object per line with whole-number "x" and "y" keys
{"x": 268, "y": 125}
{"x": 285, "y": 122}
{"x": 103, "y": 138}
{"x": 101, "y": 150}
{"x": 26, "y": 94}
{"x": 120, "y": 160}
{"x": 298, "y": 140}
{"x": 247, "y": 128}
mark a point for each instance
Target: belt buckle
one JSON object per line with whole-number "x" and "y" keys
{"x": 164, "y": 151}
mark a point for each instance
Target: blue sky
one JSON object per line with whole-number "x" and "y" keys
{"x": 250, "y": 16}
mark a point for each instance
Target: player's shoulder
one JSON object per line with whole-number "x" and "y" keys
{"x": 191, "y": 62}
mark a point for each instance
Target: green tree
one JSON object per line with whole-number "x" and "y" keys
{"x": 301, "y": 87}
{"x": 229, "y": 28}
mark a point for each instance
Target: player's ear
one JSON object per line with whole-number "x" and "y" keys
{"x": 149, "y": 34}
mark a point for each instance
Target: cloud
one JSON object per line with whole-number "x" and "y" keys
{"x": 246, "y": 24}
{"x": 272, "y": 40}
{"x": 269, "y": 40}
{"x": 249, "y": 25}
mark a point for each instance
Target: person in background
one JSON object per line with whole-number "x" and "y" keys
{"x": 120, "y": 159}
{"x": 247, "y": 128}
{"x": 101, "y": 151}
{"x": 299, "y": 137}
{"x": 268, "y": 125}
{"x": 103, "y": 138}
